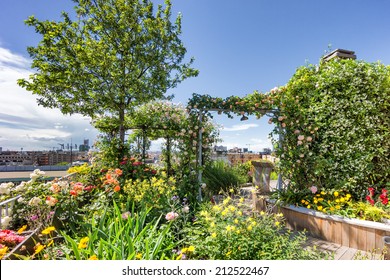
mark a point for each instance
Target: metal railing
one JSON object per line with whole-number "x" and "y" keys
{"x": 6, "y": 206}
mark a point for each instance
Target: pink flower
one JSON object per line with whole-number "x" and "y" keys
{"x": 301, "y": 137}
{"x": 171, "y": 216}
{"x": 313, "y": 189}
{"x": 51, "y": 201}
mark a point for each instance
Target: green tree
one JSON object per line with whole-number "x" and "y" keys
{"x": 108, "y": 59}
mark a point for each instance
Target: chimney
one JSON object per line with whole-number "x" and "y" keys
{"x": 340, "y": 53}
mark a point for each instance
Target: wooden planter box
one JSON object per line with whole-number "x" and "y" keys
{"x": 353, "y": 233}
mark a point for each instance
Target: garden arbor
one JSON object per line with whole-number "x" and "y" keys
{"x": 257, "y": 104}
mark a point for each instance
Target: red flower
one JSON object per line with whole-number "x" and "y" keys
{"x": 370, "y": 200}
{"x": 123, "y": 162}
{"x": 73, "y": 193}
{"x": 117, "y": 188}
{"x": 137, "y": 163}
{"x": 89, "y": 188}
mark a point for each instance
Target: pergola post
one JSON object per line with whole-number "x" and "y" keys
{"x": 280, "y": 179}
{"x": 200, "y": 157}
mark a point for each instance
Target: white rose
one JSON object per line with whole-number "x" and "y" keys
{"x": 34, "y": 201}
{"x": 5, "y": 221}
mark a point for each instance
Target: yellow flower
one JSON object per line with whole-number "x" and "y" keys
{"x": 242, "y": 200}
{"x": 93, "y": 258}
{"x": 323, "y": 193}
{"x": 50, "y": 243}
{"x": 38, "y": 248}
{"x": 315, "y": 201}
{"x": 224, "y": 213}
{"x": 239, "y": 213}
{"x": 83, "y": 243}
{"x": 319, "y": 208}
{"x": 235, "y": 221}
{"x": 204, "y": 213}
{"x": 48, "y": 230}
{"x": 308, "y": 206}
{"x": 228, "y": 228}
{"x": 215, "y": 208}
{"x": 3, "y": 251}
{"x": 320, "y": 199}
{"x": 228, "y": 253}
{"x": 231, "y": 190}
{"x": 303, "y": 201}
{"x": 232, "y": 208}
{"x": 254, "y": 223}
{"x": 184, "y": 250}
{"x": 262, "y": 213}
{"x": 342, "y": 199}
{"x": 277, "y": 223}
{"x": 212, "y": 224}
{"x": 337, "y": 200}
{"x": 138, "y": 256}
{"x": 191, "y": 249}
{"x": 238, "y": 231}
{"x": 22, "y": 229}
{"x": 213, "y": 235}
{"x": 249, "y": 228}
{"x": 337, "y": 206}
{"x": 336, "y": 194}
{"x": 279, "y": 215}
{"x": 331, "y": 208}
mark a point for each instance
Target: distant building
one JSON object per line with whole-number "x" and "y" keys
{"x": 220, "y": 149}
{"x": 85, "y": 146}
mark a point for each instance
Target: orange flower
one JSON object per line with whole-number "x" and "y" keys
{"x": 118, "y": 172}
{"x": 117, "y": 188}
{"x": 109, "y": 177}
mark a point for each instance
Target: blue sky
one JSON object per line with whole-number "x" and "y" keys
{"x": 239, "y": 47}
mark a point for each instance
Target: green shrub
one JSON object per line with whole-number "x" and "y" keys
{"x": 335, "y": 122}
{"x": 219, "y": 176}
{"x": 227, "y": 231}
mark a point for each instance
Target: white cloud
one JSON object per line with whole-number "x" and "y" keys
{"x": 25, "y": 124}
{"x": 238, "y": 127}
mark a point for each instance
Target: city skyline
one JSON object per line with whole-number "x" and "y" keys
{"x": 238, "y": 47}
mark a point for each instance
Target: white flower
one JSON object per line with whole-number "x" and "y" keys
{"x": 34, "y": 201}
{"x": 203, "y": 186}
{"x": 21, "y": 187}
{"x": 186, "y": 209}
{"x": 301, "y": 137}
{"x": 4, "y": 188}
{"x": 20, "y": 199}
{"x": 5, "y": 221}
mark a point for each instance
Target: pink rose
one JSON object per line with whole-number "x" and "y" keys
{"x": 171, "y": 216}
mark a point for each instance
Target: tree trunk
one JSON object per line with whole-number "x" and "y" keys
{"x": 122, "y": 131}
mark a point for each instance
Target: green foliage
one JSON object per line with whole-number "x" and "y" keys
{"x": 122, "y": 236}
{"x": 219, "y": 176}
{"x": 369, "y": 212}
{"x": 335, "y": 126}
{"x": 224, "y": 232}
{"x": 116, "y": 55}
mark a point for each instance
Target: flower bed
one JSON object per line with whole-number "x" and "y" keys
{"x": 353, "y": 233}
{"x": 23, "y": 245}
